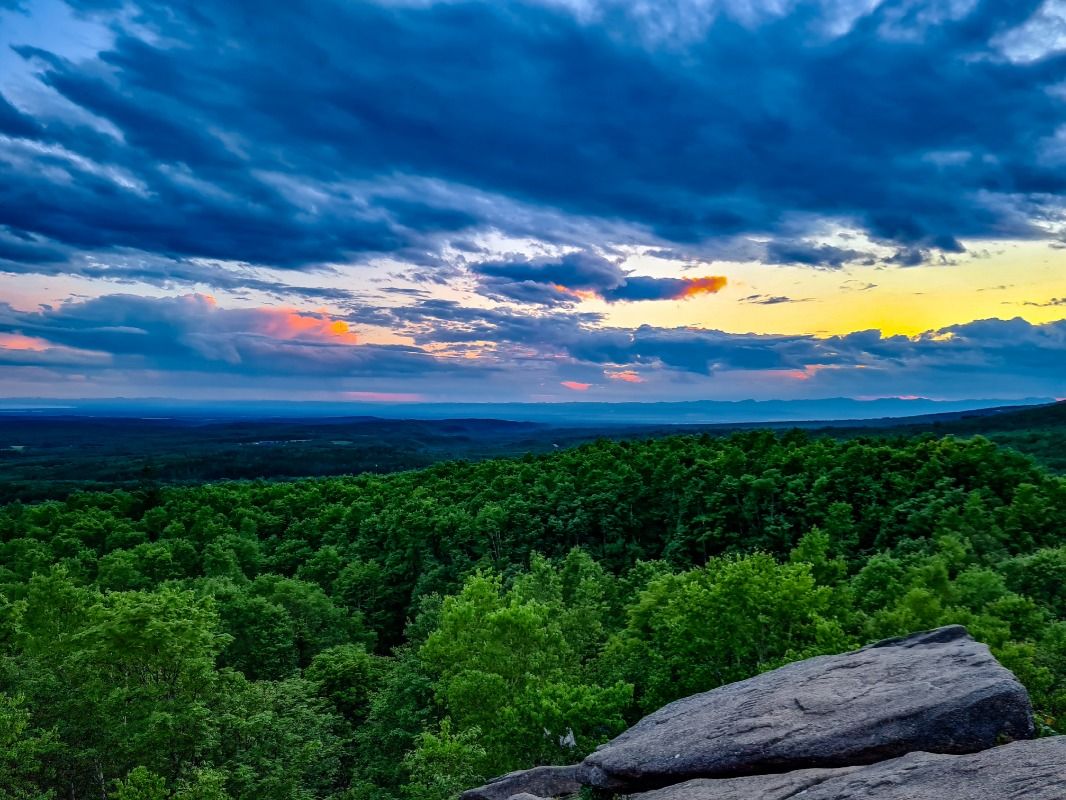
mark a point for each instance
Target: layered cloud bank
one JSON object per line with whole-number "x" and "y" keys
{"x": 189, "y": 346}
{"x": 473, "y": 200}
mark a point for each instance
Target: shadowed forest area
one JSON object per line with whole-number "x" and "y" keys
{"x": 45, "y": 457}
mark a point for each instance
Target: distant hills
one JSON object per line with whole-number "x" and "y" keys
{"x": 49, "y": 452}
{"x": 697, "y": 412}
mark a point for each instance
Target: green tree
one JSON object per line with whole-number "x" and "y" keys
{"x": 444, "y": 763}
{"x": 504, "y": 665}
{"x": 24, "y": 752}
{"x": 348, "y": 677}
{"x": 721, "y": 623}
{"x": 141, "y": 784}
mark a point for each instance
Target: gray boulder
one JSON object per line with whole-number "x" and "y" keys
{"x": 754, "y": 787}
{"x": 937, "y": 691}
{"x": 539, "y": 781}
{"x": 1033, "y": 770}
{"x": 1020, "y": 771}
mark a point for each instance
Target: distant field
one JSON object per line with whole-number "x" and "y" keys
{"x": 50, "y": 456}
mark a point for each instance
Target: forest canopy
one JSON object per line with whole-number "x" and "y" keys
{"x": 406, "y": 636}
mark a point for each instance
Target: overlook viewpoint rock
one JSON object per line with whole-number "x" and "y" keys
{"x": 939, "y": 692}
{"x": 537, "y": 782}
{"x": 1034, "y": 770}
{"x": 898, "y": 719}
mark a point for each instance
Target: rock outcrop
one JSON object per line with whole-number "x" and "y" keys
{"x": 931, "y": 716}
{"x": 754, "y": 787}
{"x": 938, "y": 692}
{"x": 1034, "y": 770}
{"x": 538, "y": 782}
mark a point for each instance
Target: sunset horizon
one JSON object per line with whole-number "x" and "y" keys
{"x": 552, "y": 201}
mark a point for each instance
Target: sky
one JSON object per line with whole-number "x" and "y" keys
{"x": 412, "y": 201}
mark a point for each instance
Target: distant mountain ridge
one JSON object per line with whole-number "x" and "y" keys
{"x": 51, "y": 452}
{"x": 695, "y": 412}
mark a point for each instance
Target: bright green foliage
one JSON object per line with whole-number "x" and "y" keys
{"x": 722, "y": 623}
{"x": 23, "y": 752}
{"x": 403, "y": 637}
{"x": 204, "y": 784}
{"x": 277, "y": 740}
{"x": 125, "y": 678}
{"x": 1042, "y": 576}
{"x": 141, "y": 784}
{"x": 444, "y": 763}
{"x": 505, "y": 666}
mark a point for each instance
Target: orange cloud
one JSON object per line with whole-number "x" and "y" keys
{"x": 806, "y": 373}
{"x": 636, "y": 288}
{"x": 576, "y": 386}
{"x": 625, "y": 375}
{"x": 581, "y": 294}
{"x": 697, "y": 286}
{"x": 291, "y": 324}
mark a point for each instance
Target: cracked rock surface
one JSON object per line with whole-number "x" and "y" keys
{"x": 539, "y": 782}
{"x": 1033, "y": 770}
{"x": 1020, "y": 771}
{"x": 937, "y": 691}
{"x": 754, "y": 787}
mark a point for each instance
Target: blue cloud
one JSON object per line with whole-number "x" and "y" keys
{"x": 287, "y": 149}
{"x": 192, "y": 334}
{"x": 559, "y": 281}
{"x": 208, "y": 139}
{"x": 138, "y": 341}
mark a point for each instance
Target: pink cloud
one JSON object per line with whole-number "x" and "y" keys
{"x": 293, "y": 324}
{"x": 16, "y": 341}
{"x": 385, "y": 397}
{"x": 576, "y": 386}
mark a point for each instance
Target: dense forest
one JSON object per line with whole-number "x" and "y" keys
{"x": 405, "y": 636}
{"x": 48, "y": 456}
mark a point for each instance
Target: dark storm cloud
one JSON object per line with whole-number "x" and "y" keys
{"x": 548, "y": 281}
{"x": 909, "y": 257}
{"x": 559, "y": 281}
{"x": 14, "y": 123}
{"x": 18, "y": 249}
{"x": 574, "y": 270}
{"x": 813, "y": 255}
{"x": 25, "y": 255}
{"x": 277, "y": 134}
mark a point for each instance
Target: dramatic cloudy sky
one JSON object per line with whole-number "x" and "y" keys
{"x": 541, "y": 200}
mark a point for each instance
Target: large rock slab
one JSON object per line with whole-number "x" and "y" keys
{"x": 1034, "y": 770}
{"x": 755, "y": 787}
{"x": 937, "y": 691}
{"x": 539, "y": 781}
{"x": 1020, "y": 771}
